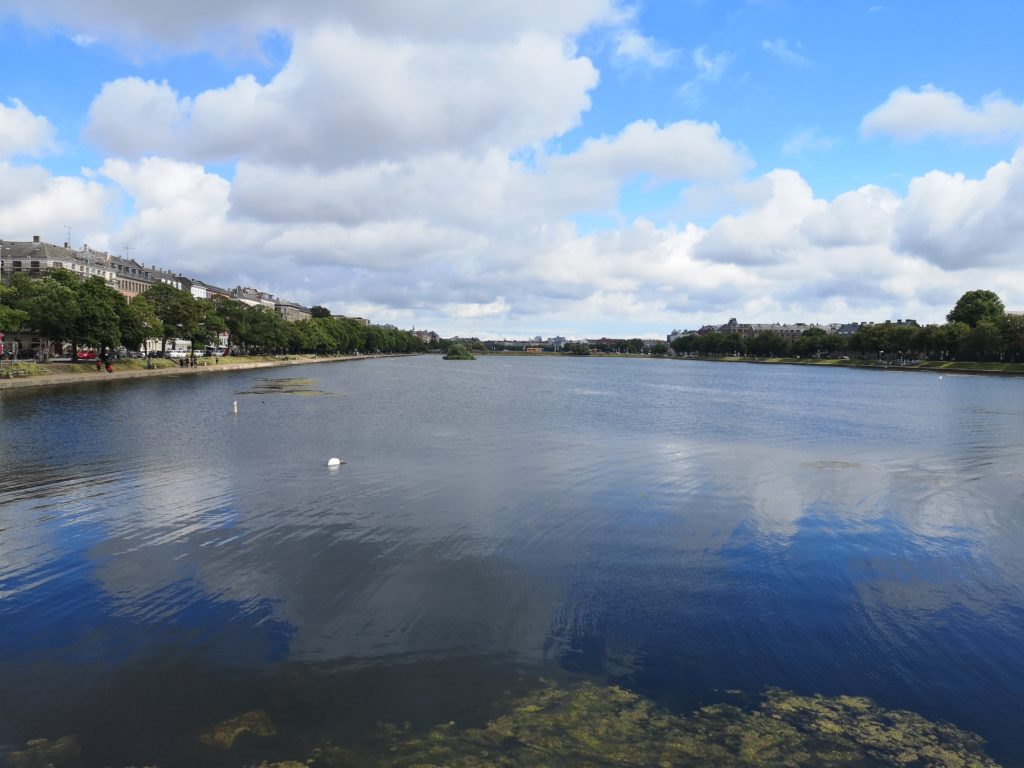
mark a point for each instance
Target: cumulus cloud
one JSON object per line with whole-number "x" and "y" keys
{"x": 406, "y": 166}
{"x": 960, "y": 223}
{"x": 198, "y": 25}
{"x": 769, "y": 232}
{"x": 913, "y": 115}
{"x": 35, "y": 202}
{"x": 861, "y": 217}
{"x": 22, "y": 132}
{"x": 344, "y": 98}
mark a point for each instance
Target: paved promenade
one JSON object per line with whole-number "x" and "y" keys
{"x": 93, "y": 377}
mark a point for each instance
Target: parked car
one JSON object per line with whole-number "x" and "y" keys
{"x": 176, "y": 354}
{"x": 87, "y": 354}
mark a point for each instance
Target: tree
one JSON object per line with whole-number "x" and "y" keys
{"x": 768, "y": 344}
{"x": 176, "y": 310}
{"x": 208, "y": 326}
{"x": 984, "y": 341}
{"x": 11, "y": 319}
{"x": 319, "y": 311}
{"x": 950, "y": 338}
{"x": 138, "y": 322}
{"x": 51, "y": 306}
{"x": 976, "y": 306}
{"x": 661, "y": 348}
{"x": 98, "y": 323}
{"x": 1013, "y": 337}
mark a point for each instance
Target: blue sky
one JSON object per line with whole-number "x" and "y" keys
{"x": 518, "y": 168}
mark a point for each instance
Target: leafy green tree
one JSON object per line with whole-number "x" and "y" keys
{"x": 98, "y": 323}
{"x": 176, "y": 310}
{"x": 138, "y": 322}
{"x": 11, "y": 319}
{"x": 984, "y": 341}
{"x": 51, "y": 306}
{"x": 1013, "y": 337}
{"x": 776, "y": 344}
{"x": 977, "y": 306}
{"x": 209, "y": 324}
{"x": 459, "y": 352}
{"x": 661, "y": 348}
{"x": 950, "y": 339}
{"x": 683, "y": 345}
{"x": 320, "y": 312}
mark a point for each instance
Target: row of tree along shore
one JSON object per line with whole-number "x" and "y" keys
{"x": 978, "y": 328}
{"x": 65, "y": 309}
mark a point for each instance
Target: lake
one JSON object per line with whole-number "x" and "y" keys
{"x": 684, "y": 530}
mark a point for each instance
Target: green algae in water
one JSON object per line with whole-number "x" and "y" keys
{"x": 224, "y": 734}
{"x": 41, "y": 753}
{"x": 290, "y": 386}
{"x": 592, "y": 726}
{"x": 608, "y": 726}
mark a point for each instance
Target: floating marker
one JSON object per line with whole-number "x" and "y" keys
{"x": 235, "y": 404}
{"x": 334, "y": 462}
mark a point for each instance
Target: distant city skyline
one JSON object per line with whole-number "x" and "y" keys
{"x": 513, "y": 169}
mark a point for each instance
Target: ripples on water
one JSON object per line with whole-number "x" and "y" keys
{"x": 680, "y": 529}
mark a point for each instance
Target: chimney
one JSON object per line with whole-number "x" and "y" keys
{"x": 35, "y": 238}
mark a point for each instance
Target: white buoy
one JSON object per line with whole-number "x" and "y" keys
{"x": 335, "y": 462}
{"x": 235, "y": 404}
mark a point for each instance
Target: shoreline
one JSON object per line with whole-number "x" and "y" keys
{"x": 957, "y": 367}
{"x": 58, "y": 379}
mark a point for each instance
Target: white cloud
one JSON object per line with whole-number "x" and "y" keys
{"x": 631, "y": 46}
{"x": 132, "y": 117}
{"x": 780, "y": 48}
{"x": 768, "y": 233}
{"x": 911, "y": 116}
{"x": 476, "y": 311}
{"x": 867, "y": 254}
{"x": 684, "y": 150}
{"x": 23, "y": 133}
{"x": 861, "y": 217}
{"x": 230, "y": 24}
{"x": 344, "y": 98}
{"x": 960, "y": 223}
{"x": 34, "y": 202}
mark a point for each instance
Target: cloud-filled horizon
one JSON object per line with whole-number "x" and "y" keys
{"x": 511, "y": 168}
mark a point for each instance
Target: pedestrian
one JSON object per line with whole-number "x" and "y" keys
{"x": 110, "y": 367}
{"x": 98, "y": 364}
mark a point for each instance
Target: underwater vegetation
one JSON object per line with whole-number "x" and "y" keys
{"x": 289, "y": 386}
{"x": 592, "y": 725}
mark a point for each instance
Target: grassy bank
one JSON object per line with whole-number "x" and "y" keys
{"x": 42, "y": 374}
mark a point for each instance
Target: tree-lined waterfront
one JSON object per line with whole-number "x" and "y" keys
{"x": 977, "y": 329}
{"x": 64, "y": 309}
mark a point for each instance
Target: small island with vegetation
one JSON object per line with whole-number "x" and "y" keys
{"x": 459, "y": 352}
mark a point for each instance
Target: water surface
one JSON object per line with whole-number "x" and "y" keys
{"x": 680, "y": 529}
